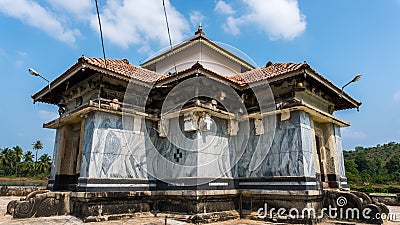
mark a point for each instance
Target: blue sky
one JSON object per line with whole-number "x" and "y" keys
{"x": 337, "y": 38}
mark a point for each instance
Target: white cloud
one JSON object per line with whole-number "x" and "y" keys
{"x": 128, "y": 22}
{"x": 46, "y": 115}
{"x": 196, "y": 18}
{"x": 224, "y": 8}
{"x": 347, "y": 133}
{"x": 232, "y": 25}
{"x": 22, "y": 54}
{"x": 396, "y": 96}
{"x": 280, "y": 19}
{"x": 33, "y": 14}
{"x": 81, "y": 9}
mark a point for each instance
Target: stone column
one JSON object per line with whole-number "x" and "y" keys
{"x": 331, "y": 156}
{"x": 65, "y": 176}
{"x": 339, "y": 150}
{"x": 307, "y": 143}
{"x": 54, "y": 167}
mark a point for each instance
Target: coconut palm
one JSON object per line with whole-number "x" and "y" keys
{"x": 3, "y": 159}
{"x": 37, "y": 146}
{"x": 27, "y": 164}
{"x": 16, "y": 157}
{"x": 18, "y": 152}
{"x": 44, "y": 164}
{"x": 6, "y": 160}
{"x": 28, "y": 157}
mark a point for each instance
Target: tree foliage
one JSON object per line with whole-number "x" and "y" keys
{"x": 15, "y": 162}
{"x": 373, "y": 165}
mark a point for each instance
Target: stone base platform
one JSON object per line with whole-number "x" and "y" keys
{"x": 194, "y": 203}
{"x": 196, "y": 206}
{"x": 189, "y": 206}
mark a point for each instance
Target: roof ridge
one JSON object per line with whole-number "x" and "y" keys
{"x": 202, "y": 38}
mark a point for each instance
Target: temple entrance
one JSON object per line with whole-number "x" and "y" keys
{"x": 68, "y": 164}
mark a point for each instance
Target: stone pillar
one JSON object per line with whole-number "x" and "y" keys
{"x": 54, "y": 167}
{"x": 65, "y": 176}
{"x": 339, "y": 150}
{"x": 307, "y": 143}
{"x": 331, "y": 153}
{"x": 81, "y": 142}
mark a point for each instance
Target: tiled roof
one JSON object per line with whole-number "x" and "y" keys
{"x": 269, "y": 71}
{"x": 195, "y": 66}
{"x": 124, "y": 68}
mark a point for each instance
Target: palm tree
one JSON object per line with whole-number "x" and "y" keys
{"x": 6, "y": 160}
{"x": 28, "y": 157}
{"x": 37, "y": 146}
{"x": 3, "y": 160}
{"x": 27, "y": 164}
{"x": 17, "y": 156}
{"x": 44, "y": 164}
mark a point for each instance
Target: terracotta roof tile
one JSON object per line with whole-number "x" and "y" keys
{"x": 269, "y": 71}
{"x": 124, "y": 68}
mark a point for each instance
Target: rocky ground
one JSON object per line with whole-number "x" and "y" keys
{"x": 69, "y": 220}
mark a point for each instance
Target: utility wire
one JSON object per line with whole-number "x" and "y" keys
{"x": 101, "y": 34}
{"x": 169, "y": 33}
{"x": 104, "y": 52}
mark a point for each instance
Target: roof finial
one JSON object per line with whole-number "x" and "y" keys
{"x": 199, "y": 30}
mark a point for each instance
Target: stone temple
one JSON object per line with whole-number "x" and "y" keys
{"x": 195, "y": 130}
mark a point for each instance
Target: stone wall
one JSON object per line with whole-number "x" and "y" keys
{"x": 128, "y": 152}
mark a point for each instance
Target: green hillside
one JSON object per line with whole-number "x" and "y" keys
{"x": 373, "y": 166}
